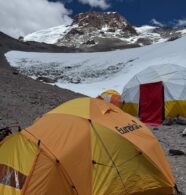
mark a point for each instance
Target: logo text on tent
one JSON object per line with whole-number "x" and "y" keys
{"x": 128, "y": 128}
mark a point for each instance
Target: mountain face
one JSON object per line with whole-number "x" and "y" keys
{"x": 101, "y": 31}
{"x": 93, "y": 28}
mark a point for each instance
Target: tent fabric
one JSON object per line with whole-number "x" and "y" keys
{"x": 175, "y": 107}
{"x": 47, "y": 178}
{"x": 17, "y": 156}
{"x": 173, "y": 78}
{"x": 139, "y": 165}
{"x": 58, "y": 133}
{"x": 110, "y": 91}
{"x": 130, "y": 108}
{"x": 93, "y": 149}
{"x": 151, "y": 103}
{"x": 111, "y": 96}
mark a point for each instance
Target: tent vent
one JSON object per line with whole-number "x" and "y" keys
{"x": 39, "y": 142}
{"x": 94, "y": 162}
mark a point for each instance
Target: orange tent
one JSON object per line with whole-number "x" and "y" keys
{"x": 87, "y": 147}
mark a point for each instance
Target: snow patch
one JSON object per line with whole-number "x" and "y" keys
{"x": 182, "y": 31}
{"x": 50, "y": 36}
{"x": 92, "y": 73}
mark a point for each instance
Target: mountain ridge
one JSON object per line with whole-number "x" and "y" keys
{"x": 105, "y": 30}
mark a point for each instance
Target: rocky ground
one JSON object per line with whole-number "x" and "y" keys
{"x": 171, "y": 137}
{"x": 22, "y": 99}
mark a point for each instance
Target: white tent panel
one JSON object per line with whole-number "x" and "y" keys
{"x": 133, "y": 82}
{"x": 174, "y": 91}
{"x": 173, "y": 78}
{"x": 131, "y": 95}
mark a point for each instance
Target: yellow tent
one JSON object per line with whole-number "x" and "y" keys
{"x": 111, "y": 96}
{"x": 86, "y": 147}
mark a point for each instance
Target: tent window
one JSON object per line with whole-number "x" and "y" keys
{"x": 11, "y": 177}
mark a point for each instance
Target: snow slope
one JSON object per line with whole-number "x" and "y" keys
{"x": 50, "y": 35}
{"x": 92, "y": 73}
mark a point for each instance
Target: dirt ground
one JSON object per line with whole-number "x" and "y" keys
{"x": 171, "y": 137}
{"x": 23, "y": 99}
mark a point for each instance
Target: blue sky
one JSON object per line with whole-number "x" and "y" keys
{"x": 137, "y": 12}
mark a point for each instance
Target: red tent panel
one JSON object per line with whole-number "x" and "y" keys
{"x": 151, "y": 103}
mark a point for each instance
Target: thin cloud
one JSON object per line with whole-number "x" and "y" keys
{"x": 181, "y": 22}
{"x": 157, "y": 23}
{"x": 96, "y": 3}
{"x": 20, "y": 17}
{"x": 177, "y": 22}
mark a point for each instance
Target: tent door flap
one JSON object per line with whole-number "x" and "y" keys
{"x": 151, "y": 103}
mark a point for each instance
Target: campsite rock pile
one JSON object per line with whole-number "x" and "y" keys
{"x": 177, "y": 120}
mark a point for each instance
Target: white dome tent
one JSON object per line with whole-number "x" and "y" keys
{"x": 156, "y": 92}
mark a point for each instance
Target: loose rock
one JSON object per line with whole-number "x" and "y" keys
{"x": 173, "y": 152}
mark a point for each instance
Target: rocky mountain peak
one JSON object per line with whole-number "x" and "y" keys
{"x": 100, "y": 19}
{"x": 106, "y": 21}
{"x": 92, "y": 28}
